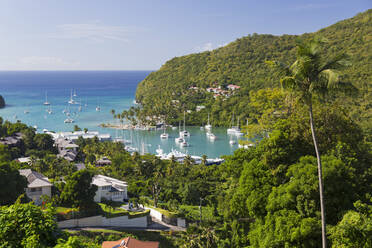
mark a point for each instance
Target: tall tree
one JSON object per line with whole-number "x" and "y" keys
{"x": 78, "y": 191}
{"x": 12, "y": 184}
{"x": 313, "y": 75}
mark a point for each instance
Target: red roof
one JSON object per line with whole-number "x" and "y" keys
{"x": 130, "y": 243}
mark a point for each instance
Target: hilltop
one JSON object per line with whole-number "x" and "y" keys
{"x": 168, "y": 92}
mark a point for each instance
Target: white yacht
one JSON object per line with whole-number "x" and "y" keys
{"x": 232, "y": 142}
{"x": 212, "y": 137}
{"x": 46, "y": 99}
{"x": 208, "y": 126}
{"x": 159, "y": 150}
{"x": 131, "y": 149}
{"x": 26, "y": 111}
{"x": 179, "y": 140}
{"x": 184, "y": 144}
{"x": 68, "y": 120}
{"x": 98, "y": 108}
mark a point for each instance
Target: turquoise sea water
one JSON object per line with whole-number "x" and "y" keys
{"x": 26, "y": 91}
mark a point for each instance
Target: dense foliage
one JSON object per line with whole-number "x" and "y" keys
{"x": 27, "y": 225}
{"x": 242, "y": 62}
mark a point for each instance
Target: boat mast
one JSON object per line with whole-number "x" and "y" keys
{"x": 184, "y": 121}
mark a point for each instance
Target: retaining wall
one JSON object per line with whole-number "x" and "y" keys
{"x": 122, "y": 221}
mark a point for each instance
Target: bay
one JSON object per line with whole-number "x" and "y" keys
{"x": 27, "y": 90}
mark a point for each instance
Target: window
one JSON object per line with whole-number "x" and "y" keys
{"x": 35, "y": 189}
{"x": 106, "y": 187}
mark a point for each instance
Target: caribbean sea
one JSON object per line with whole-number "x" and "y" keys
{"x": 26, "y": 91}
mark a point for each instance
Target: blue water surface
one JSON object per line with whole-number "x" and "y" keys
{"x": 27, "y": 90}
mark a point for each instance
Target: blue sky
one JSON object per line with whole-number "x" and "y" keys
{"x": 143, "y": 35}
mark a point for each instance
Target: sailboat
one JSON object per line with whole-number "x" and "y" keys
{"x": 74, "y": 93}
{"x": 232, "y": 129}
{"x": 71, "y": 101}
{"x": 164, "y": 135}
{"x": 26, "y": 111}
{"x": 49, "y": 110}
{"x": 237, "y": 131}
{"x": 46, "y": 99}
{"x": 80, "y": 108}
{"x": 184, "y": 133}
{"x": 98, "y": 108}
{"x": 208, "y": 126}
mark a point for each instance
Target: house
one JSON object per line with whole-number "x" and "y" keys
{"x": 24, "y": 160}
{"x": 110, "y": 189}
{"x": 37, "y": 186}
{"x": 66, "y": 148}
{"x": 130, "y": 242}
{"x": 103, "y": 162}
{"x": 12, "y": 141}
{"x": 199, "y": 107}
{"x": 233, "y": 87}
{"x": 65, "y": 144}
{"x": 73, "y": 136}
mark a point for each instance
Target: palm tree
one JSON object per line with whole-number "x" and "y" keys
{"x": 313, "y": 75}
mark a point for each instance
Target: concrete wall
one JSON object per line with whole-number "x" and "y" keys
{"x": 119, "y": 221}
{"x": 172, "y": 221}
{"x": 156, "y": 214}
{"x": 122, "y": 221}
{"x": 181, "y": 222}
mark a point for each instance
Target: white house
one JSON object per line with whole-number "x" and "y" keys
{"x": 37, "y": 186}
{"x": 110, "y": 189}
{"x": 199, "y": 107}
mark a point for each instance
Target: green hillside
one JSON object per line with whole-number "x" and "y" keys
{"x": 2, "y": 102}
{"x": 166, "y": 94}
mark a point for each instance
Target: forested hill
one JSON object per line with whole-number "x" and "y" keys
{"x": 2, "y": 102}
{"x": 167, "y": 92}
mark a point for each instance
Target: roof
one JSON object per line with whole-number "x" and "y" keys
{"x": 24, "y": 160}
{"x": 61, "y": 142}
{"x": 101, "y": 180}
{"x": 35, "y": 179}
{"x": 11, "y": 140}
{"x": 103, "y": 161}
{"x": 130, "y": 243}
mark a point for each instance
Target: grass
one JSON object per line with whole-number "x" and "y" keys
{"x": 116, "y": 212}
{"x": 64, "y": 209}
{"x": 107, "y": 211}
{"x": 167, "y": 213}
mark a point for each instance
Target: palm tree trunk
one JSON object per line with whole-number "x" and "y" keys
{"x": 322, "y": 209}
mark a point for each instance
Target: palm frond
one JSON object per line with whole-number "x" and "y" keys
{"x": 332, "y": 77}
{"x": 337, "y": 62}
